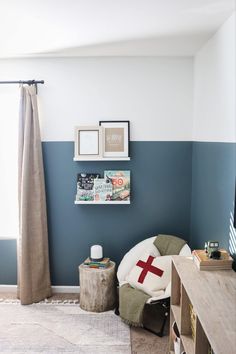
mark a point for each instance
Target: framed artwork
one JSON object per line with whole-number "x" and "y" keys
{"x": 116, "y": 136}
{"x": 88, "y": 142}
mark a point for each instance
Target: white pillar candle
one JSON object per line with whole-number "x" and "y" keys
{"x": 96, "y": 253}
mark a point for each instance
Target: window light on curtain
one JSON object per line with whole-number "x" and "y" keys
{"x": 9, "y": 112}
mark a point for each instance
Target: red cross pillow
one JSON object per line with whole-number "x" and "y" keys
{"x": 151, "y": 274}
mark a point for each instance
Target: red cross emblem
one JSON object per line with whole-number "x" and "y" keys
{"x": 148, "y": 267}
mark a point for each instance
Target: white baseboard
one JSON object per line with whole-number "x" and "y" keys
{"x": 8, "y": 288}
{"x": 65, "y": 289}
{"x": 55, "y": 289}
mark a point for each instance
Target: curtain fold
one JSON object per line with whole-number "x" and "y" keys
{"x": 32, "y": 252}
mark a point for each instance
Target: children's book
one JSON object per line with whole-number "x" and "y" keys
{"x": 85, "y": 186}
{"x": 102, "y": 264}
{"x": 120, "y": 184}
{"x": 102, "y": 189}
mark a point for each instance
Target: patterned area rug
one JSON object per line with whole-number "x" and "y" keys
{"x": 60, "y": 328}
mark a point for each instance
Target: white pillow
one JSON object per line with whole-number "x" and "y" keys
{"x": 151, "y": 274}
{"x": 132, "y": 257}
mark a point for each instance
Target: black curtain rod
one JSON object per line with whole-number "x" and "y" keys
{"x": 28, "y": 82}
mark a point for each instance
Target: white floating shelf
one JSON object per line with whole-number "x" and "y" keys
{"x": 102, "y": 159}
{"x": 103, "y": 202}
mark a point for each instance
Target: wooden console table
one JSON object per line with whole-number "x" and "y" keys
{"x": 213, "y": 297}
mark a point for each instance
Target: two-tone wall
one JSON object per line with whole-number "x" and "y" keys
{"x": 155, "y": 94}
{"x": 182, "y": 113}
{"x": 214, "y": 136}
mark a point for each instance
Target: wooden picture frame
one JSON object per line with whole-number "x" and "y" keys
{"x": 116, "y": 138}
{"x": 88, "y": 142}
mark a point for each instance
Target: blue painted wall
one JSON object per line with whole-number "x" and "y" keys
{"x": 213, "y": 188}
{"x": 180, "y": 188}
{"x": 8, "y": 262}
{"x": 160, "y": 203}
{"x": 161, "y": 192}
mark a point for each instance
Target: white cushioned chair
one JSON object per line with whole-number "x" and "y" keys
{"x": 129, "y": 261}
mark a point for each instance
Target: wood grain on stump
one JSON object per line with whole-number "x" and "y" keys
{"x": 97, "y": 288}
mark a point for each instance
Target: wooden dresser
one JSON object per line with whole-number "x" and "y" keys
{"x": 212, "y": 295}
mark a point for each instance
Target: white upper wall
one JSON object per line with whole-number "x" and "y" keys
{"x": 155, "y": 94}
{"x": 214, "y": 87}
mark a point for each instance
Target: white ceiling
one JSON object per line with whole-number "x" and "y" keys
{"x": 108, "y": 27}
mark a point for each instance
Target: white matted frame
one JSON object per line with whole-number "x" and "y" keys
{"x": 88, "y": 142}
{"x": 116, "y": 137}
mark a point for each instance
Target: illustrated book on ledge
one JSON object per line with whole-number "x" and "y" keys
{"x": 113, "y": 188}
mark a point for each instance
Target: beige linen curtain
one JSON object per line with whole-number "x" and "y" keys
{"x": 33, "y": 259}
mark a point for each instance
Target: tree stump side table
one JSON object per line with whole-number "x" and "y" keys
{"x": 97, "y": 288}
